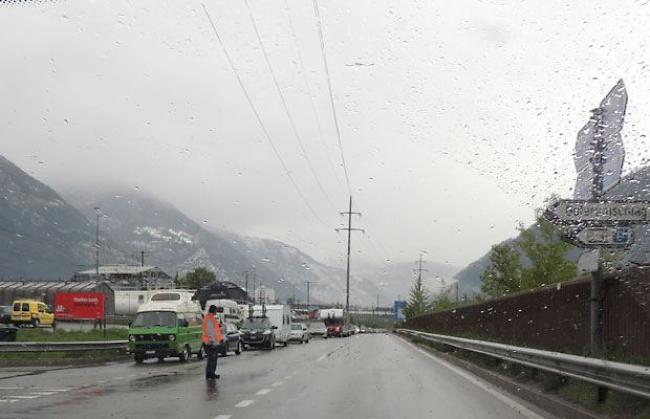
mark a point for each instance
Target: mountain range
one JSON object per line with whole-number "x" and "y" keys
{"x": 45, "y": 236}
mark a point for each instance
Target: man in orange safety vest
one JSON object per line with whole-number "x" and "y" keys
{"x": 212, "y": 337}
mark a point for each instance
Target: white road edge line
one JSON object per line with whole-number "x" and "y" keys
{"x": 22, "y": 397}
{"x": 479, "y": 383}
{"x": 277, "y": 383}
{"x": 320, "y": 358}
{"x": 222, "y": 417}
{"x": 245, "y": 403}
{"x": 263, "y": 392}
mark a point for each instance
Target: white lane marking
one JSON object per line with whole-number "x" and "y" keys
{"x": 287, "y": 377}
{"x": 321, "y": 357}
{"x": 22, "y": 397}
{"x": 222, "y": 417}
{"x": 263, "y": 391}
{"x": 118, "y": 378}
{"x": 277, "y": 383}
{"x": 43, "y": 393}
{"x": 479, "y": 383}
{"x": 7, "y": 401}
{"x": 133, "y": 375}
{"x": 245, "y": 403}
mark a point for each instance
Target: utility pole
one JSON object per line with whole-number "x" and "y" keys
{"x": 419, "y": 269}
{"x": 349, "y": 229}
{"x": 248, "y": 295}
{"x": 97, "y": 244}
{"x": 308, "y": 319}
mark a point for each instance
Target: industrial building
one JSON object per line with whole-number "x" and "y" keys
{"x": 127, "y": 277}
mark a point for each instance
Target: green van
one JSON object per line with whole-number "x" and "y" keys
{"x": 168, "y": 325}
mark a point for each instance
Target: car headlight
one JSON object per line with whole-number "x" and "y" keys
{"x": 172, "y": 337}
{"x": 267, "y": 332}
{"x": 131, "y": 338}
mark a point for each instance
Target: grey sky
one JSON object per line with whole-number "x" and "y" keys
{"x": 457, "y": 118}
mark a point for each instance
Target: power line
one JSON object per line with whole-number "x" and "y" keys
{"x": 259, "y": 119}
{"x": 331, "y": 96}
{"x": 284, "y": 104}
{"x": 309, "y": 91}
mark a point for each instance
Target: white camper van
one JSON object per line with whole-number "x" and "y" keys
{"x": 232, "y": 312}
{"x": 280, "y": 316}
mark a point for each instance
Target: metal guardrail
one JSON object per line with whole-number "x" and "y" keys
{"x": 13, "y": 347}
{"x": 628, "y": 378}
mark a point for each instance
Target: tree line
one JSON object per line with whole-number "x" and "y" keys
{"x": 535, "y": 258}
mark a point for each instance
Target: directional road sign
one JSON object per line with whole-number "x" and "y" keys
{"x": 579, "y": 212}
{"x": 603, "y": 236}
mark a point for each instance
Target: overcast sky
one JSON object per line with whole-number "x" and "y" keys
{"x": 457, "y": 119}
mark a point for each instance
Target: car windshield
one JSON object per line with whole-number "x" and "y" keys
{"x": 155, "y": 318}
{"x": 255, "y": 324}
{"x": 469, "y": 180}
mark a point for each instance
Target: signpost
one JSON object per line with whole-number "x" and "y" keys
{"x": 589, "y": 220}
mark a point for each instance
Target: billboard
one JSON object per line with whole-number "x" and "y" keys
{"x": 79, "y": 306}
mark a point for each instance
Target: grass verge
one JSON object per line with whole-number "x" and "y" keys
{"x": 64, "y": 358}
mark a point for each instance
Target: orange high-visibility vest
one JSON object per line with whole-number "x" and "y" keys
{"x": 211, "y": 318}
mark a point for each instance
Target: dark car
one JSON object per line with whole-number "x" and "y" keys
{"x": 257, "y": 332}
{"x": 232, "y": 339}
{"x": 5, "y": 314}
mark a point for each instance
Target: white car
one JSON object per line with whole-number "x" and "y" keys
{"x": 299, "y": 333}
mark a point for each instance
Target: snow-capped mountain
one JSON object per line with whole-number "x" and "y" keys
{"x": 178, "y": 244}
{"x": 42, "y": 235}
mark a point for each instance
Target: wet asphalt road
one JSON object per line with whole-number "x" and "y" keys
{"x": 364, "y": 376}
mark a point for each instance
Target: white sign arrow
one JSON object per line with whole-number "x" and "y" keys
{"x": 598, "y": 212}
{"x": 605, "y": 236}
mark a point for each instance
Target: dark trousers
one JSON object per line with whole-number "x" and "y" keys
{"x": 211, "y": 366}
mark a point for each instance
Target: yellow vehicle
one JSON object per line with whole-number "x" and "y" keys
{"x": 31, "y": 312}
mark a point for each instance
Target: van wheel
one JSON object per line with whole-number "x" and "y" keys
{"x": 36, "y": 323}
{"x": 284, "y": 344}
{"x": 224, "y": 350}
{"x": 238, "y": 348}
{"x": 201, "y": 353}
{"x": 185, "y": 354}
{"x": 139, "y": 359}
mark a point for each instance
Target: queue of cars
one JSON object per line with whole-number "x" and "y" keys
{"x": 170, "y": 325}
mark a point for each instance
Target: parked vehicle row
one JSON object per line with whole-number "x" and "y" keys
{"x": 170, "y": 325}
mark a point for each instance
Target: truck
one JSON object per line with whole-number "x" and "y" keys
{"x": 334, "y": 322}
